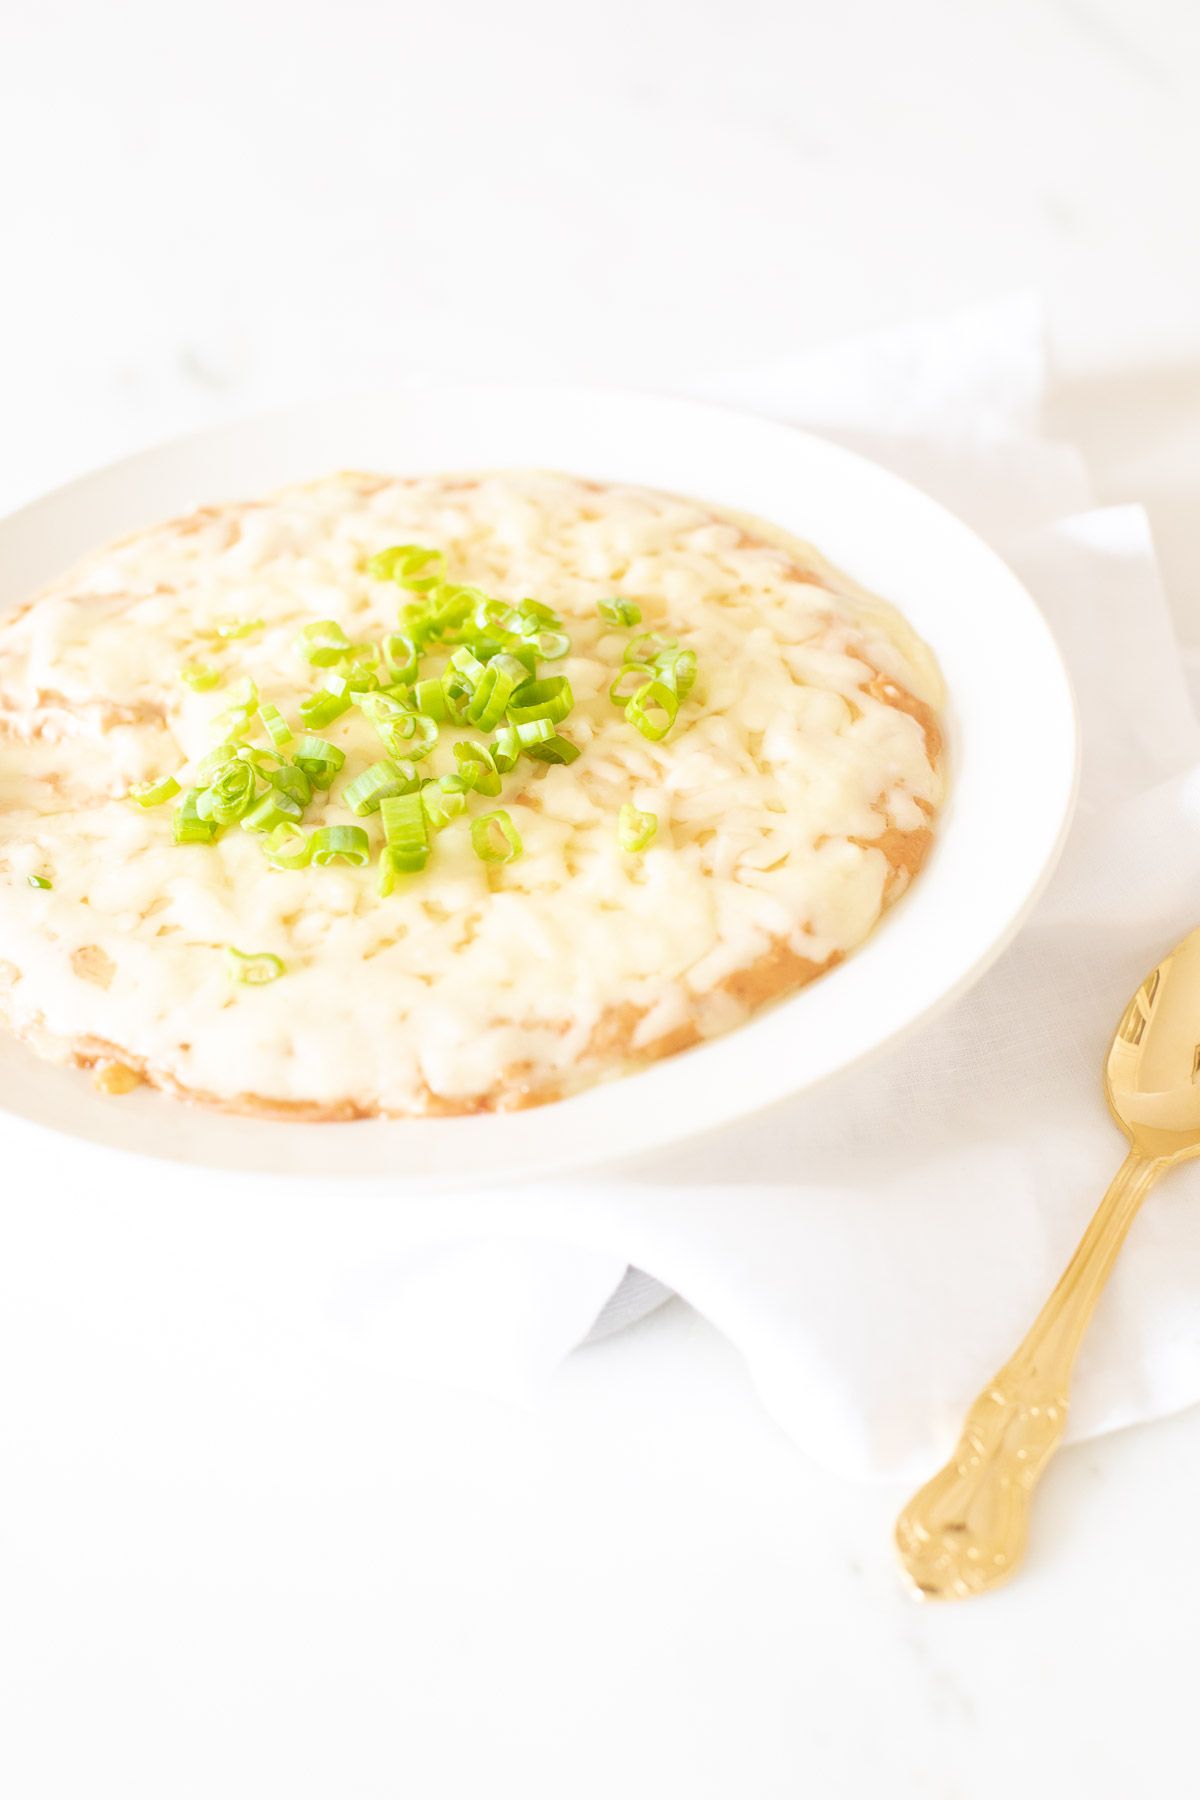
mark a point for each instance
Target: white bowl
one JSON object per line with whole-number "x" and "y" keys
{"x": 1013, "y": 747}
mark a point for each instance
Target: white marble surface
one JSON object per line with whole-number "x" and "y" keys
{"x": 230, "y": 1573}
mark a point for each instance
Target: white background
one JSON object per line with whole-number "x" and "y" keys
{"x": 231, "y": 1574}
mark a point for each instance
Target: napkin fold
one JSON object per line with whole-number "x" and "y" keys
{"x": 873, "y": 1249}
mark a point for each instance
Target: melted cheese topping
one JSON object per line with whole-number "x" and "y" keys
{"x": 794, "y": 797}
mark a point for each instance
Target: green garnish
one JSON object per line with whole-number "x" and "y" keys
{"x": 253, "y": 968}
{"x": 620, "y": 612}
{"x": 495, "y": 838}
{"x": 341, "y": 843}
{"x": 323, "y": 643}
{"x": 377, "y": 783}
{"x": 275, "y": 725}
{"x": 635, "y": 829}
{"x": 652, "y": 709}
{"x": 154, "y": 793}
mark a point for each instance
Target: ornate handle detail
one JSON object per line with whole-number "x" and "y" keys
{"x": 965, "y": 1530}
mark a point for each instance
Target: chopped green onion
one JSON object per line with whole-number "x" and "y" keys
{"x": 477, "y": 767}
{"x": 253, "y": 968}
{"x": 293, "y": 782}
{"x": 452, "y": 609}
{"x": 495, "y": 688}
{"x": 271, "y": 811}
{"x": 534, "y": 731}
{"x": 506, "y": 747}
{"x": 377, "y": 783}
{"x": 497, "y": 615}
{"x": 467, "y": 664}
{"x": 632, "y": 677}
{"x": 154, "y": 793}
{"x": 275, "y": 725}
{"x": 39, "y": 881}
{"x": 229, "y": 796}
{"x": 404, "y": 563}
{"x": 319, "y": 759}
{"x": 199, "y": 676}
{"x": 494, "y": 837}
{"x": 288, "y": 847}
{"x": 551, "y": 644}
{"x": 444, "y": 797}
{"x": 400, "y": 655}
{"x": 511, "y": 740}
{"x": 341, "y": 843}
{"x": 238, "y": 719}
{"x": 238, "y": 628}
{"x": 554, "y": 749}
{"x": 678, "y": 669}
{"x": 265, "y": 761}
{"x": 330, "y": 701}
{"x": 413, "y": 737}
{"x": 635, "y": 829}
{"x": 619, "y": 612}
{"x": 646, "y": 646}
{"x": 406, "y": 833}
{"x": 187, "y": 826}
{"x": 216, "y": 759}
{"x": 548, "y": 699}
{"x": 389, "y": 708}
{"x": 234, "y": 723}
{"x": 323, "y": 643}
{"x": 535, "y": 617}
{"x": 429, "y": 698}
{"x": 652, "y": 709}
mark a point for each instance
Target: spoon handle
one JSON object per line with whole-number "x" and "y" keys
{"x": 965, "y": 1530}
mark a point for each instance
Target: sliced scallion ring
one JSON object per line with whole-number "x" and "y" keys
{"x": 253, "y": 968}
{"x": 199, "y": 676}
{"x": 322, "y": 643}
{"x": 619, "y": 612}
{"x": 652, "y": 709}
{"x": 187, "y": 826}
{"x": 647, "y": 645}
{"x": 275, "y": 725}
{"x": 406, "y": 832}
{"x": 273, "y": 810}
{"x": 377, "y": 783}
{"x": 154, "y": 793}
{"x": 293, "y": 782}
{"x": 411, "y": 565}
{"x": 477, "y": 767}
{"x": 553, "y": 749}
{"x": 494, "y": 837}
{"x": 550, "y": 698}
{"x": 635, "y": 829}
{"x": 444, "y": 797}
{"x": 39, "y": 881}
{"x": 237, "y": 628}
{"x": 341, "y": 843}
{"x": 288, "y": 847}
{"x": 632, "y": 677}
{"x": 319, "y": 759}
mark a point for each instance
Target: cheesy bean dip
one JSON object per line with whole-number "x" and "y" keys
{"x": 443, "y": 794}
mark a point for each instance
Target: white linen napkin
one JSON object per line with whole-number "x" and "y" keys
{"x": 873, "y": 1249}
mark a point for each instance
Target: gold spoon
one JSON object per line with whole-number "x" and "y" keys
{"x": 965, "y": 1530}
